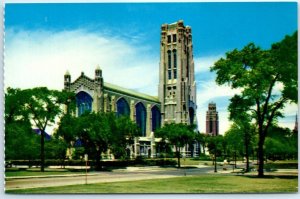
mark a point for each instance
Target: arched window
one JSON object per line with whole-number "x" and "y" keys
{"x": 84, "y": 102}
{"x": 140, "y": 118}
{"x": 122, "y": 107}
{"x": 155, "y": 118}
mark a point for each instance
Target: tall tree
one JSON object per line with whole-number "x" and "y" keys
{"x": 42, "y": 107}
{"x": 216, "y": 146}
{"x": 124, "y": 133}
{"x": 258, "y": 73}
{"x": 240, "y": 139}
{"x": 178, "y": 135}
{"x": 18, "y": 131}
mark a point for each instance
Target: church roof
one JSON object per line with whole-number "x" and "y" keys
{"x": 130, "y": 92}
{"x": 38, "y": 132}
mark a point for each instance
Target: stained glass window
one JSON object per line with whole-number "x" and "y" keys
{"x": 84, "y": 102}
{"x": 122, "y": 107}
{"x": 140, "y": 117}
{"x": 155, "y": 118}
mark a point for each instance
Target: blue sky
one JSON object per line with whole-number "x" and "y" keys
{"x": 42, "y": 41}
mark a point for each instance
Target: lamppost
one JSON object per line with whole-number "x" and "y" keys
{"x": 235, "y": 159}
{"x": 215, "y": 158}
{"x": 86, "y": 164}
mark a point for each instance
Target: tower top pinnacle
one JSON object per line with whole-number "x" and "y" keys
{"x": 67, "y": 73}
{"x": 98, "y": 67}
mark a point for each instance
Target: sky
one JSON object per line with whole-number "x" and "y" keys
{"x": 43, "y": 41}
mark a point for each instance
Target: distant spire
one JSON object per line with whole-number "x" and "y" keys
{"x": 296, "y": 123}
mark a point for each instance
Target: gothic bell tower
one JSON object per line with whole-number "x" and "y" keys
{"x": 177, "y": 87}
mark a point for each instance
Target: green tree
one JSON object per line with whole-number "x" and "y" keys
{"x": 199, "y": 137}
{"x": 256, "y": 72}
{"x": 21, "y": 143}
{"x": 240, "y": 140}
{"x": 123, "y": 135}
{"x": 94, "y": 130}
{"x": 68, "y": 129}
{"x": 216, "y": 147}
{"x": 280, "y": 144}
{"x": 42, "y": 107}
{"x": 20, "y": 140}
{"x": 56, "y": 148}
{"x": 178, "y": 135}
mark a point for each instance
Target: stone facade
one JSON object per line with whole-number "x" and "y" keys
{"x": 177, "y": 91}
{"x": 99, "y": 96}
{"x": 177, "y": 87}
{"x": 212, "y": 120}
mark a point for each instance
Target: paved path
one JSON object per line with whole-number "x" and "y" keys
{"x": 129, "y": 174}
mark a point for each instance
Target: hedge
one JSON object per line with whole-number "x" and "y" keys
{"x": 109, "y": 163}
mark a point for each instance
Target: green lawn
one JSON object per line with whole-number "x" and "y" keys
{"x": 200, "y": 184}
{"x": 37, "y": 172}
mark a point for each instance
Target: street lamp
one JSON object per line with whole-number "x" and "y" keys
{"x": 86, "y": 164}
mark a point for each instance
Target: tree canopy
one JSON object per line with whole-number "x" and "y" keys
{"x": 37, "y": 107}
{"x": 267, "y": 80}
{"x": 177, "y": 134}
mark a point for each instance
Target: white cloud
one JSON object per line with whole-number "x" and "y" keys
{"x": 41, "y": 58}
{"x": 208, "y": 91}
{"x": 202, "y": 64}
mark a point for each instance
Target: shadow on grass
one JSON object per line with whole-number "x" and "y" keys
{"x": 272, "y": 176}
{"x": 188, "y": 167}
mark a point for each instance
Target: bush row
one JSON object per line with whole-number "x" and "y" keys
{"x": 110, "y": 163}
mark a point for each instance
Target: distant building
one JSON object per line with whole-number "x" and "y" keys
{"x": 212, "y": 120}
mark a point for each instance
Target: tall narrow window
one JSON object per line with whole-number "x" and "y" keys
{"x": 169, "y": 38}
{"x": 175, "y": 58}
{"x": 140, "y": 118}
{"x": 169, "y": 59}
{"x": 174, "y": 38}
{"x": 175, "y": 73}
{"x": 188, "y": 64}
{"x": 122, "y": 107}
{"x": 155, "y": 113}
{"x": 169, "y": 74}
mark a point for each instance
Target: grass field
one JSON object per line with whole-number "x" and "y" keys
{"x": 36, "y": 172}
{"x": 196, "y": 184}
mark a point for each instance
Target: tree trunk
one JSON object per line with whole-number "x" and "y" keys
{"x": 178, "y": 157}
{"x": 42, "y": 150}
{"x": 98, "y": 160}
{"x": 260, "y": 157}
{"x": 199, "y": 149}
{"x": 247, "y": 151}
